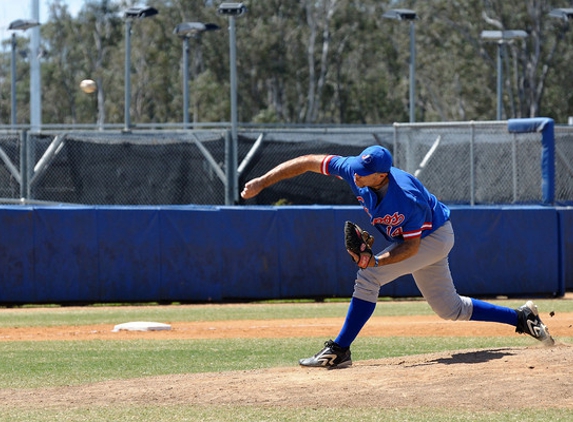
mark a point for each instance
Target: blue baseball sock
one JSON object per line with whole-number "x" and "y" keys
{"x": 484, "y": 311}
{"x": 359, "y": 312}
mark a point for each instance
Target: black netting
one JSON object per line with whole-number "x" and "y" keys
{"x": 132, "y": 169}
{"x": 310, "y": 188}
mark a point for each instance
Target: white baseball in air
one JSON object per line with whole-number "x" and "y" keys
{"x": 88, "y": 86}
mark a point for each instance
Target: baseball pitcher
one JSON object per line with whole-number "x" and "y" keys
{"x": 418, "y": 227}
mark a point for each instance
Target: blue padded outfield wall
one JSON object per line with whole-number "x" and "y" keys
{"x": 83, "y": 254}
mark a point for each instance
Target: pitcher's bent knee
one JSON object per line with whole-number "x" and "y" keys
{"x": 366, "y": 288}
{"x": 458, "y": 310}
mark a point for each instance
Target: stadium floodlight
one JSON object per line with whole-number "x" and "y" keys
{"x": 565, "y": 14}
{"x": 411, "y": 16}
{"x": 232, "y": 10}
{"x": 185, "y": 31}
{"x": 140, "y": 12}
{"x": 401, "y": 14}
{"x": 194, "y": 29}
{"x": 17, "y": 25}
{"x": 502, "y": 38}
{"x": 130, "y": 15}
{"x": 23, "y": 24}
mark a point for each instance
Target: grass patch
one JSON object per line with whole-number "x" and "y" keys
{"x": 129, "y": 413}
{"x": 57, "y": 316}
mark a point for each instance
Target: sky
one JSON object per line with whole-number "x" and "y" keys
{"x": 10, "y": 10}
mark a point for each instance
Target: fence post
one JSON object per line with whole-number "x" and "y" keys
{"x": 24, "y": 189}
{"x": 231, "y": 194}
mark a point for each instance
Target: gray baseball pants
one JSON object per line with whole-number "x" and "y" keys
{"x": 431, "y": 272}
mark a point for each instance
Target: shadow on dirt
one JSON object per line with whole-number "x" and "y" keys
{"x": 480, "y": 356}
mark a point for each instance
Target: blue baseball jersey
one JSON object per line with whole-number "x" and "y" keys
{"x": 408, "y": 209}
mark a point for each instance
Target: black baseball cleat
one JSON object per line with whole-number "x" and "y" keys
{"x": 331, "y": 357}
{"x": 528, "y": 322}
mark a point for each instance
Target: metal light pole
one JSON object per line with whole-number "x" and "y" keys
{"x": 232, "y": 10}
{"x": 408, "y": 15}
{"x": 35, "y": 71}
{"x": 185, "y": 31}
{"x": 502, "y": 38}
{"x": 130, "y": 15}
{"x": 185, "y": 82}
{"x": 412, "y": 72}
{"x": 499, "y": 79}
{"x": 127, "y": 77}
{"x": 20, "y": 25}
{"x": 13, "y": 77}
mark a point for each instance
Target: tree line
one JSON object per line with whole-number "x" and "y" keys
{"x": 299, "y": 62}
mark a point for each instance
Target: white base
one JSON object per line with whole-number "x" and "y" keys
{"x": 141, "y": 326}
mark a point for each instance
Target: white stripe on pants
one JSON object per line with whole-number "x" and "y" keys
{"x": 431, "y": 272}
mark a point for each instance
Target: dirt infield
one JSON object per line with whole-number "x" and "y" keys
{"x": 431, "y": 326}
{"x": 493, "y": 379}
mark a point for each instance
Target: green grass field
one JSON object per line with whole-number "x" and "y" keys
{"x": 42, "y": 364}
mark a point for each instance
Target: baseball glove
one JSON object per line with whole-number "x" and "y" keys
{"x": 359, "y": 242}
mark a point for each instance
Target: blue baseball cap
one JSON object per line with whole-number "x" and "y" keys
{"x": 374, "y": 159}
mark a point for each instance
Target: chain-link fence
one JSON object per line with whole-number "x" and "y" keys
{"x": 564, "y": 165}
{"x": 463, "y": 163}
{"x": 481, "y": 162}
